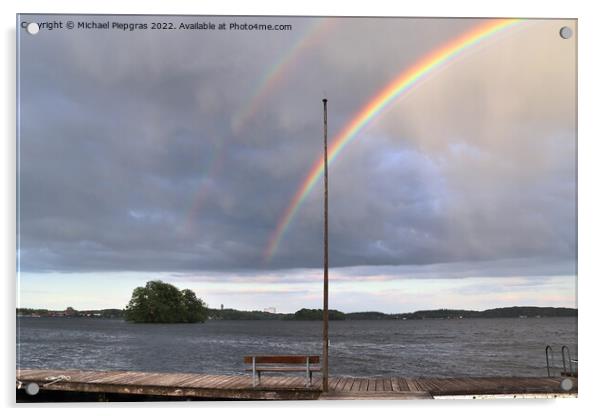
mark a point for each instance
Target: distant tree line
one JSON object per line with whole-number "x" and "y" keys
{"x": 335, "y": 315}
{"x": 509, "y": 312}
{"x": 72, "y": 313}
{"x": 185, "y": 307}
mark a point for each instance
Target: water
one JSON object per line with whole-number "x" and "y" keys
{"x": 427, "y": 348}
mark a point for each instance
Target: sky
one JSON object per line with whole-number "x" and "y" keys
{"x": 173, "y": 155}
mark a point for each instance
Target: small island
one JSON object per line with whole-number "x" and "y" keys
{"x": 163, "y": 303}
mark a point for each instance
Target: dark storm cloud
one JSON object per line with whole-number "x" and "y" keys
{"x": 129, "y": 159}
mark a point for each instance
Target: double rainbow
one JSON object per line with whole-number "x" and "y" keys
{"x": 395, "y": 89}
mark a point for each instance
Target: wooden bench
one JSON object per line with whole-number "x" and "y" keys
{"x": 282, "y": 364}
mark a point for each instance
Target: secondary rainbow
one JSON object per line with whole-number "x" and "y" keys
{"x": 379, "y": 102}
{"x": 279, "y": 70}
{"x": 282, "y": 67}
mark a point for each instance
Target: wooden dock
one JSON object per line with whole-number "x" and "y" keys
{"x": 240, "y": 387}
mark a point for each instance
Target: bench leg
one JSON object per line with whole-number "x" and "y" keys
{"x": 307, "y": 373}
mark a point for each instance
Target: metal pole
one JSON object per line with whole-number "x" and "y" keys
{"x": 325, "y": 310}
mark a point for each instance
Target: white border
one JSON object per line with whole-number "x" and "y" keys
{"x": 590, "y": 206}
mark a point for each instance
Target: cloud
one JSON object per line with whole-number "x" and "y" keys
{"x": 129, "y": 160}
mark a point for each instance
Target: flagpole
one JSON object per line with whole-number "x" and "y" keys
{"x": 325, "y": 309}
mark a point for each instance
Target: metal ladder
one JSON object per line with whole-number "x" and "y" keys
{"x": 566, "y": 357}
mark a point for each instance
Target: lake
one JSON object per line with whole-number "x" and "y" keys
{"x": 412, "y": 348}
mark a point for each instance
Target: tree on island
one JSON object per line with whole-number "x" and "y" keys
{"x": 160, "y": 302}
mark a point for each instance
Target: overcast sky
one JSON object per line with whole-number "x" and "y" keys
{"x": 165, "y": 155}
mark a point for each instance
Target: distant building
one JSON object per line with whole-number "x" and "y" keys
{"x": 222, "y": 306}
{"x": 271, "y": 309}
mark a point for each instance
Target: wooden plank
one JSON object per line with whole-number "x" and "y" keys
{"x": 147, "y": 380}
{"x": 357, "y": 382}
{"x": 219, "y": 381}
{"x": 224, "y": 381}
{"x": 282, "y": 359}
{"x": 402, "y": 383}
{"x": 470, "y": 383}
{"x": 466, "y": 385}
{"x": 84, "y": 376}
{"x": 294, "y": 382}
{"x": 185, "y": 378}
{"x": 353, "y": 381}
{"x": 317, "y": 383}
{"x": 375, "y": 395}
{"x": 281, "y": 382}
{"x": 129, "y": 378}
{"x": 243, "y": 382}
{"x": 198, "y": 382}
{"x": 341, "y": 383}
{"x": 301, "y": 381}
{"x": 506, "y": 384}
{"x": 529, "y": 384}
{"x": 237, "y": 382}
{"x": 413, "y": 385}
{"x": 436, "y": 385}
{"x": 354, "y": 384}
{"x": 336, "y": 385}
{"x": 387, "y": 384}
{"x": 379, "y": 384}
{"x": 550, "y": 381}
{"x": 269, "y": 381}
{"x": 348, "y": 384}
{"x": 486, "y": 384}
{"x": 39, "y": 375}
{"x": 173, "y": 379}
{"x": 101, "y": 375}
{"x": 93, "y": 376}
{"x": 153, "y": 379}
{"x": 371, "y": 385}
{"x": 364, "y": 385}
{"x": 214, "y": 381}
{"x": 108, "y": 377}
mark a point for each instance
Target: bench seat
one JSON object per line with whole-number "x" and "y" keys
{"x": 285, "y": 369}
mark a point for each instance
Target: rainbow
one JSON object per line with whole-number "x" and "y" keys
{"x": 273, "y": 77}
{"x": 382, "y": 100}
{"x": 214, "y": 168}
{"x": 315, "y": 31}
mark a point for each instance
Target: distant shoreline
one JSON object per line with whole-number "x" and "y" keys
{"x": 316, "y": 314}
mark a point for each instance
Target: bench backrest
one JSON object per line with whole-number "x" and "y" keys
{"x": 282, "y": 359}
